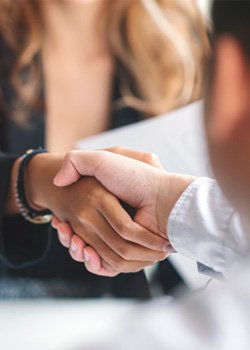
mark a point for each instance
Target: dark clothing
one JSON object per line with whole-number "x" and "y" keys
{"x": 37, "y": 254}
{"x": 33, "y": 241}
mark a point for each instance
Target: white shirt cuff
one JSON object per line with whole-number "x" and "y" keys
{"x": 204, "y": 227}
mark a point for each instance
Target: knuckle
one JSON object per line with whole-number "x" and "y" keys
{"x": 119, "y": 227}
{"x": 124, "y": 229}
{"x": 124, "y": 234}
{"x": 155, "y": 243}
{"x": 103, "y": 199}
{"x": 83, "y": 218}
{"x": 98, "y": 196}
{"x": 69, "y": 154}
{"x": 94, "y": 187}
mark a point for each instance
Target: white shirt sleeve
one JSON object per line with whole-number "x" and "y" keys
{"x": 203, "y": 226}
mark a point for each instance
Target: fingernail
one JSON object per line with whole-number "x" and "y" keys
{"x": 73, "y": 247}
{"x": 57, "y": 178}
{"x": 86, "y": 256}
{"x": 167, "y": 248}
{"x": 172, "y": 250}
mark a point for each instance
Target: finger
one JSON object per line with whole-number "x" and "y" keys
{"x": 65, "y": 234}
{"x": 114, "y": 260}
{"x": 152, "y": 159}
{"x": 92, "y": 255}
{"x": 98, "y": 245}
{"x": 94, "y": 264}
{"x": 112, "y": 263}
{"x": 109, "y": 271}
{"x": 76, "y": 248}
{"x": 145, "y": 157}
{"x": 129, "y": 230}
{"x": 93, "y": 223}
{"x": 64, "y": 231}
{"x": 55, "y": 222}
{"x": 67, "y": 174}
{"x": 124, "y": 247}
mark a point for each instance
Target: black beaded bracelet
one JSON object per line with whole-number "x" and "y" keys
{"x": 29, "y": 213}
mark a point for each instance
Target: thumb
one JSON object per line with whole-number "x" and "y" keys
{"x": 67, "y": 174}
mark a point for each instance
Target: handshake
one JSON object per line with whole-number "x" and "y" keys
{"x": 85, "y": 198}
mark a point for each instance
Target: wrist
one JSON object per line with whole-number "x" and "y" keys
{"x": 39, "y": 176}
{"x": 171, "y": 188}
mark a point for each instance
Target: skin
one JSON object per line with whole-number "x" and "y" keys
{"x": 79, "y": 75}
{"x": 75, "y": 76}
{"x": 123, "y": 245}
{"x": 154, "y": 192}
{"x": 228, "y": 123}
{"x": 78, "y": 72}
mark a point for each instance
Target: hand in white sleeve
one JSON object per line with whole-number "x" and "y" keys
{"x": 153, "y": 192}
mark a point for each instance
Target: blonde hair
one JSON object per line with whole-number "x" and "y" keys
{"x": 160, "y": 47}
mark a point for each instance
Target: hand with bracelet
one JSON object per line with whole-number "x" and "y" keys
{"x": 122, "y": 244}
{"x": 152, "y": 192}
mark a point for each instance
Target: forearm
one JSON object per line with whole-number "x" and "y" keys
{"x": 39, "y": 176}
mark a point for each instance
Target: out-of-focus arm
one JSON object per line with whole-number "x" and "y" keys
{"x": 204, "y": 227}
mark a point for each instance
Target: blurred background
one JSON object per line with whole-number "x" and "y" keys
{"x": 73, "y": 69}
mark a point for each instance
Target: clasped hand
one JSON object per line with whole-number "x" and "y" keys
{"x": 98, "y": 230}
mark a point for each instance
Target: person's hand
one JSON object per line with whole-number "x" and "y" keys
{"x": 152, "y": 191}
{"x": 86, "y": 205}
{"x": 81, "y": 252}
{"x": 69, "y": 239}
